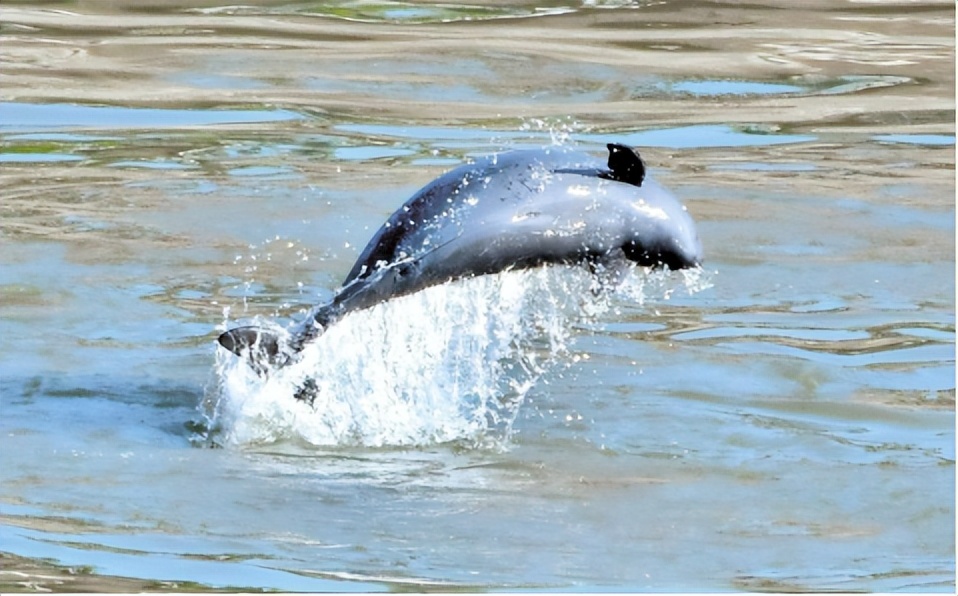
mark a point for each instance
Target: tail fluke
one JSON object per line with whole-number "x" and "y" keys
{"x": 263, "y": 349}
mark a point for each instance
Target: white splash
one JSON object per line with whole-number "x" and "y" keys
{"x": 449, "y": 364}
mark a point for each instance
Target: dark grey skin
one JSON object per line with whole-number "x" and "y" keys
{"x": 512, "y": 210}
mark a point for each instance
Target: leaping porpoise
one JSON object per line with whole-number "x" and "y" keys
{"x": 510, "y": 210}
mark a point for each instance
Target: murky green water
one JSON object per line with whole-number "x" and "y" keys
{"x": 790, "y": 427}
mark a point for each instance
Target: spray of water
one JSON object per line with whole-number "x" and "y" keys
{"x": 449, "y": 364}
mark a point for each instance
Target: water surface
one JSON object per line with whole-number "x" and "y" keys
{"x": 783, "y": 422}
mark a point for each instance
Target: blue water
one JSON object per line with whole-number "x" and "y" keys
{"x": 685, "y": 137}
{"x": 18, "y": 117}
{"x": 708, "y": 88}
{"x": 917, "y": 139}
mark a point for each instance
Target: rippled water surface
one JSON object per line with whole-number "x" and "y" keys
{"x": 781, "y": 421}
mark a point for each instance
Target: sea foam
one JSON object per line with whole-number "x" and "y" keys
{"x": 450, "y": 364}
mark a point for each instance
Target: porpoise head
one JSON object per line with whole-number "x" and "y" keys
{"x": 661, "y": 231}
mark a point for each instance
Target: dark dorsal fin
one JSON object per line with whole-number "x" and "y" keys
{"x": 625, "y": 164}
